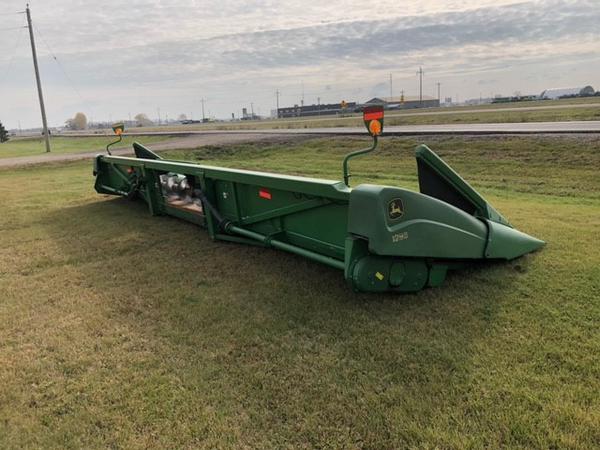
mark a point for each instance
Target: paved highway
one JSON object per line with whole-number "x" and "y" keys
{"x": 194, "y": 138}
{"x": 589, "y": 126}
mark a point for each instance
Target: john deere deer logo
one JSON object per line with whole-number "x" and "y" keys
{"x": 395, "y": 208}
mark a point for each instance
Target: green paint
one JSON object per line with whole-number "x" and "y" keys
{"x": 385, "y": 238}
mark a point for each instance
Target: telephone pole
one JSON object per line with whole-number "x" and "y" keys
{"x": 37, "y": 79}
{"x": 420, "y": 73}
{"x": 277, "y": 95}
{"x": 391, "y": 90}
{"x": 202, "y": 100}
{"x": 439, "y": 98}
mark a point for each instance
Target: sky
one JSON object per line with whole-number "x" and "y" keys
{"x": 116, "y": 58}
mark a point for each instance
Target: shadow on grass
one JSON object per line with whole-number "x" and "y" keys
{"x": 269, "y": 339}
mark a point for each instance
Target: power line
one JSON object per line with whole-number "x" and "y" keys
{"x": 12, "y": 58}
{"x": 10, "y": 28}
{"x": 58, "y": 63}
{"x": 73, "y": 85}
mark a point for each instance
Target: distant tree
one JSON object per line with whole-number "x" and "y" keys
{"x": 143, "y": 120}
{"x": 79, "y": 122}
{"x": 182, "y": 117}
{"x": 3, "y": 133}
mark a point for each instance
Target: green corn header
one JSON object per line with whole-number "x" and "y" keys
{"x": 384, "y": 238}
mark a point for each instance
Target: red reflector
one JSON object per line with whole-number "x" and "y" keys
{"x": 373, "y": 116}
{"x": 263, "y": 193}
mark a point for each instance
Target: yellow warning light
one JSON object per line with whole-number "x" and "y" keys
{"x": 118, "y": 128}
{"x": 375, "y": 127}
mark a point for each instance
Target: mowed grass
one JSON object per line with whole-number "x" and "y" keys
{"x": 36, "y": 146}
{"x": 122, "y": 330}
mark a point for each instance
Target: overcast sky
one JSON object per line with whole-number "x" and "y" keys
{"x": 116, "y": 57}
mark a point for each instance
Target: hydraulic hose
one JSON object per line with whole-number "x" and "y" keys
{"x": 222, "y": 222}
{"x": 230, "y": 228}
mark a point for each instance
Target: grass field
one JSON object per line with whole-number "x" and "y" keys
{"x": 121, "y": 330}
{"x": 36, "y": 146}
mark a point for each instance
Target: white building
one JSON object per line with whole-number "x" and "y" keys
{"x": 556, "y": 93}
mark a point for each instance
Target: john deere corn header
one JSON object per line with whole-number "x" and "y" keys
{"x": 384, "y": 238}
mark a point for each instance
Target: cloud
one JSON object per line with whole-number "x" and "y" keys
{"x": 234, "y": 52}
{"x": 379, "y": 43}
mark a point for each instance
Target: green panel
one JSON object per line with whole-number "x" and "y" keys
{"x": 312, "y": 222}
{"x": 311, "y": 186}
{"x": 113, "y": 179}
{"x": 319, "y": 229}
{"x": 483, "y": 209}
{"x": 508, "y": 243}
{"x": 406, "y": 223}
{"x": 225, "y": 199}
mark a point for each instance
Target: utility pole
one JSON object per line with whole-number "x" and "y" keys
{"x": 302, "y": 101}
{"x": 277, "y": 95}
{"x": 318, "y": 106}
{"x": 252, "y": 110}
{"x": 391, "y": 90}
{"x": 439, "y": 98}
{"x": 158, "y": 111}
{"x": 420, "y": 73}
{"x": 37, "y": 79}
{"x": 202, "y": 100}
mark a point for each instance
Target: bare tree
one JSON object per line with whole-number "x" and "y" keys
{"x": 143, "y": 120}
{"x": 79, "y": 122}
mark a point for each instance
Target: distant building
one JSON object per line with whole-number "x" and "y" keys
{"x": 478, "y": 101}
{"x": 316, "y": 110}
{"x": 249, "y": 116}
{"x": 516, "y": 98}
{"x": 405, "y": 102}
{"x": 556, "y": 93}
